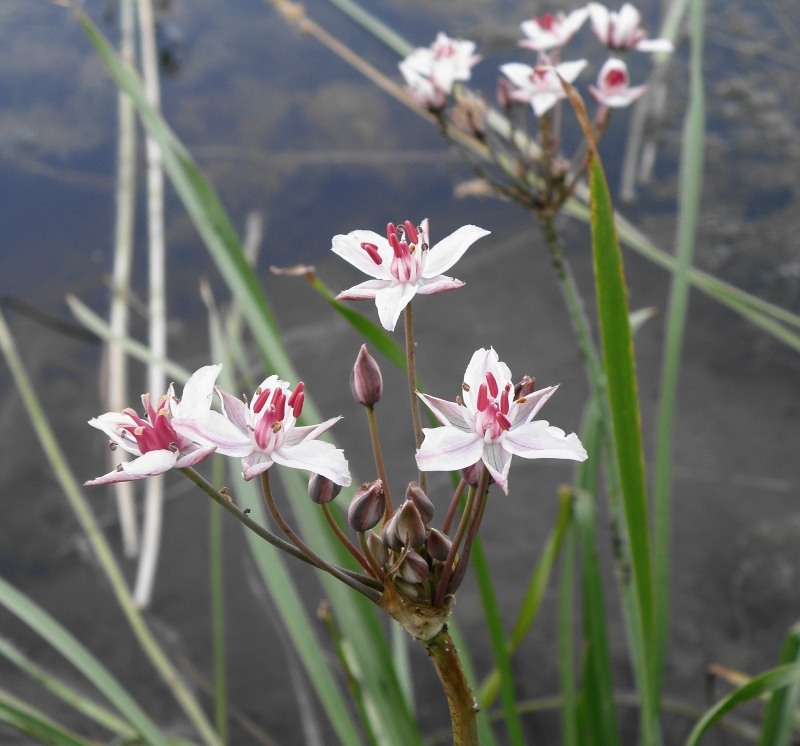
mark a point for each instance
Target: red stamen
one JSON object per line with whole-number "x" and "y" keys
{"x": 297, "y": 407}
{"x": 483, "y": 398}
{"x": 297, "y": 391}
{"x": 411, "y": 232}
{"x": 261, "y": 400}
{"x": 372, "y": 250}
{"x": 394, "y": 242}
{"x": 494, "y": 389}
{"x": 504, "y": 403}
{"x": 503, "y": 421}
{"x": 278, "y": 404}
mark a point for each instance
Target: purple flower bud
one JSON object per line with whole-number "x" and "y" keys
{"x": 321, "y": 489}
{"x": 413, "y": 568}
{"x": 366, "y": 382}
{"x": 421, "y": 500}
{"x": 405, "y": 529}
{"x": 438, "y": 545}
{"x": 367, "y": 506}
{"x": 377, "y": 548}
{"x": 472, "y": 474}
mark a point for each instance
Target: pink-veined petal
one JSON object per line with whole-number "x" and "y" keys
{"x": 447, "y": 412}
{"x": 111, "y": 423}
{"x": 541, "y": 440}
{"x": 213, "y": 429}
{"x": 366, "y": 290}
{"x": 315, "y": 456}
{"x": 349, "y": 248}
{"x": 527, "y": 410}
{"x": 148, "y": 465}
{"x": 438, "y": 284}
{"x": 498, "y": 461}
{"x": 448, "y": 449}
{"x": 308, "y": 432}
{"x": 482, "y": 362}
{"x": 190, "y": 458}
{"x": 234, "y": 410}
{"x": 450, "y": 249}
{"x": 391, "y": 301}
{"x": 255, "y": 463}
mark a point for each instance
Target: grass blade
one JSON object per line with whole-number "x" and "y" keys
{"x": 775, "y": 679}
{"x": 36, "y": 724}
{"x": 780, "y": 718}
{"x": 691, "y": 182}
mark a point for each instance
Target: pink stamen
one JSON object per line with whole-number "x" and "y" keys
{"x": 504, "y": 403}
{"x": 616, "y": 78}
{"x": 261, "y": 400}
{"x": 503, "y": 421}
{"x": 297, "y": 407}
{"x": 411, "y": 232}
{"x": 483, "y": 398}
{"x": 491, "y": 381}
{"x": 372, "y": 250}
{"x": 394, "y": 241}
{"x": 546, "y": 22}
{"x": 278, "y": 405}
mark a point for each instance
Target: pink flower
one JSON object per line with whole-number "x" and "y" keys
{"x": 540, "y": 86}
{"x": 622, "y": 30}
{"x": 264, "y": 432}
{"x": 402, "y": 264}
{"x": 430, "y": 72}
{"x": 489, "y": 425}
{"x": 550, "y": 31}
{"x": 154, "y": 441}
{"x": 613, "y": 85}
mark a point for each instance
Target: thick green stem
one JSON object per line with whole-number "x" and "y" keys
{"x": 463, "y": 707}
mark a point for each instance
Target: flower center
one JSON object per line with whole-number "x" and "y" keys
{"x": 157, "y": 434}
{"x": 493, "y": 406}
{"x": 546, "y": 22}
{"x": 407, "y": 262}
{"x": 270, "y": 430}
{"x": 616, "y": 79}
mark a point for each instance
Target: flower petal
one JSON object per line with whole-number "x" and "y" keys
{"x": 541, "y": 440}
{"x": 438, "y": 284}
{"x": 190, "y": 458}
{"x": 198, "y": 391}
{"x": 391, "y": 301}
{"x": 111, "y": 423}
{"x": 447, "y": 449}
{"x": 450, "y": 249}
{"x": 528, "y": 409}
{"x": 366, "y": 290}
{"x": 498, "y": 461}
{"x": 349, "y": 248}
{"x": 309, "y": 432}
{"x": 315, "y": 456}
{"x": 148, "y": 465}
{"x": 213, "y": 429}
{"x": 255, "y": 463}
{"x": 448, "y": 412}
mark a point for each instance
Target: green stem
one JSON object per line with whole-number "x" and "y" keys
{"x": 442, "y": 651}
{"x": 380, "y": 467}
{"x": 411, "y": 369}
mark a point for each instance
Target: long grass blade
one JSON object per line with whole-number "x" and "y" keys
{"x": 65, "y": 643}
{"x": 35, "y": 724}
{"x": 691, "y": 183}
{"x": 780, "y": 719}
{"x": 770, "y": 681}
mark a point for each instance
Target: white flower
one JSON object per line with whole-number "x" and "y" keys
{"x": 155, "y": 441}
{"x": 402, "y": 264}
{"x": 490, "y": 425}
{"x": 430, "y": 72}
{"x": 621, "y": 30}
{"x": 264, "y": 432}
{"x": 613, "y": 85}
{"x": 550, "y": 31}
{"x": 540, "y": 86}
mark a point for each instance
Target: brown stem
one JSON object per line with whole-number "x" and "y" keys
{"x": 463, "y": 707}
{"x": 411, "y": 370}
{"x": 380, "y": 467}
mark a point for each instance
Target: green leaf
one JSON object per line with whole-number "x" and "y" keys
{"x": 776, "y": 678}
{"x": 35, "y": 724}
{"x": 65, "y": 643}
{"x": 780, "y": 718}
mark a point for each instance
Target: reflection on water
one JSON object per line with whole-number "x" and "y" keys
{"x": 282, "y": 127}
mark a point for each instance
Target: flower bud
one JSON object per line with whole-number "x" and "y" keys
{"x": 413, "y": 568}
{"x": 367, "y": 506}
{"x": 366, "y": 382}
{"x": 421, "y": 500}
{"x": 377, "y": 548}
{"x": 438, "y": 545}
{"x": 472, "y": 474}
{"x": 405, "y": 528}
{"x": 321, "y": 489}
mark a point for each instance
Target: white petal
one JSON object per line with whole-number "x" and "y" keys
{"x": 213, "y": 429}
{"x": 518, "y": 74}
{"x": 655, "y": 45}
{"x": 540, "y": 440}
{"x": 315, "y": 456}
{"x": 366, "y": 290}
{"x": 448, "y": 412}
{"x": 449, "y": 250}
{"x": 543, "y": 102}
{"x": 194, "y": 456}
{"x": 438, "y": 284}
{"x": 254, "y": 464}
{"x": 447, "y": 449}
{"x": 391, "y": 301}
{"x": 308, "y": 432}
{"x": 526, "y": 411}
{"x": 498, "y": 461}
{"x": 198, "y": 391}
{"x": 147, "y": 465}
{"x": 111, "y": 423}
{"x": 570, "y": 70}
{"x": 349, "y": 248}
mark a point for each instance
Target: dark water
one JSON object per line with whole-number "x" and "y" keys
{"x": 282, "y": 127}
